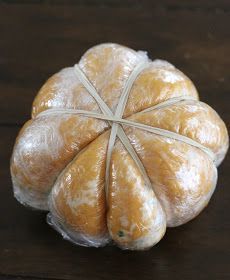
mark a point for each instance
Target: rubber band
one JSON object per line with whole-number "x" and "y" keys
{"x": 116, "y": 129}
{"x": 116, "y": 121}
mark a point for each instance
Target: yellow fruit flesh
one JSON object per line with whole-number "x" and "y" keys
{"x": 182, "y": 176}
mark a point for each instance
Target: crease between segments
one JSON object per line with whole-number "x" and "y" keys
{"x": 117, "y": 130}
{"x": 116, "y": 121}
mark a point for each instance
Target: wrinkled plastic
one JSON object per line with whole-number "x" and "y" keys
{"x": 58, "y": 162}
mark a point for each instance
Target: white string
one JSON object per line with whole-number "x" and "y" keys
{"x": 155, "y": 130}
{"x": 115, "y": 126}
{"x": 169, "y": 102}
{"x": 116, "y": 130}
{"x": 115, "y": 120}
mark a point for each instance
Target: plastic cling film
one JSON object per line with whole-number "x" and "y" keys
{"x": 118, "y": 148}
{"x": 70, "y": 235}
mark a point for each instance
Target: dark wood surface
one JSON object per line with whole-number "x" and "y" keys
{"x": 37, "y": 38}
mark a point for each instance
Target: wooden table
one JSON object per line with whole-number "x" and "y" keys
{"x": 37, "y": 38}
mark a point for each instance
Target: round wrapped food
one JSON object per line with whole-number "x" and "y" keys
{"x": 118, "y": 148}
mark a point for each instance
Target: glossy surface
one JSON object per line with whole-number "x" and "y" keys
{"x": 190, "y": 34}
{"x": 183, "y": 177}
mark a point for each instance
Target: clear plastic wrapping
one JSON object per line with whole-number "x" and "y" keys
{"x": 59, "y": 160}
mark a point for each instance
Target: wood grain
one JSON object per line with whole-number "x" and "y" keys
{"x": 40, "y": 37}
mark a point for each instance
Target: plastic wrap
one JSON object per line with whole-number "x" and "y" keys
{"x": 59, "y": 160}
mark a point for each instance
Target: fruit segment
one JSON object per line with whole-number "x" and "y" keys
{"x": 135, "y": 218}
{"x": 77, "y": 200}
